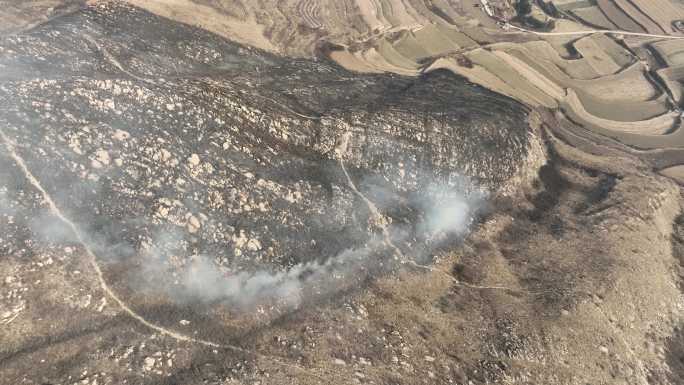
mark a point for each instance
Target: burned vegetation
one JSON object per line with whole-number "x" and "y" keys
{"x": 209, "y": 183}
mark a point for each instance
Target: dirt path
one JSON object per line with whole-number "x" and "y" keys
{"x": 380, "y": 221}
{"x": 113, "y": 60}
{"x": 55, "y": 210}
{"x": 593, "y": 31}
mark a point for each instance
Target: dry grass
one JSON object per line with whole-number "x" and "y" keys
{"x": 594, "y": 16}
{"x": 561, "y": 44}
{"x": 371, "y": 12}
{"x": 629, "y": 85}
{"x": 597, "y": 58}
{"x": 398, "y": 13}
{"x": 459, "y": 38}
{"x": 247, "y": 31}
{"x": 410, "y": 48}
{"x": 576, "y": 69}
{"x": 377, "y": 61}
{"x": 620, "y": 55}
{"x": 352, "y": 63}
{"x": 433, "y": 40}
{"x": 623, "y": 111}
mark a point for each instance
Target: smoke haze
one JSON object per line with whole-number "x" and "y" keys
{"x": 445, "y": 213}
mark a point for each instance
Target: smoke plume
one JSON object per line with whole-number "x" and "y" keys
{"x": 441, "y": 212}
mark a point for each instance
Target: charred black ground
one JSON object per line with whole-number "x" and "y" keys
{"x": 164, "y": 141}
{"x": 151, "y": 93}
{"x": 173, "y": 150}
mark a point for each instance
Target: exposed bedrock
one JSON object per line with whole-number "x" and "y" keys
{"x": 165, "y": 141}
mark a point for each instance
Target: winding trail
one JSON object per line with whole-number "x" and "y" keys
{"x": 380, "y": 221}
{"x": 114, "y": 61}
{"x": 92, "y": 258}
{"x": 55, "y": 210}
{"x": 378, "y": 218}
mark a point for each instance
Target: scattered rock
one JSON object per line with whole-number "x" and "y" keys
{"x": 253, "y": 245}
{"x": 193, "y": 224}
{"x": 149, "y": 363}
{"x": 102, "y": 304}
{"x": 194, "y": 160}
{"x": 121, "y": 135}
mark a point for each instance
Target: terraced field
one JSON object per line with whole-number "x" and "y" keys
{"x": 609, "y": 81}
{"x": 661, "y": 12}
{"x": 310, "y": 10}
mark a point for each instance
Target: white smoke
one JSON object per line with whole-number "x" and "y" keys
{"x": 450, "y": 217}
{"x": 6, "y": 206}
{"x": 446, "y": 212}
{"x": 204, "y": 281}
{"x": 48, "y": 228}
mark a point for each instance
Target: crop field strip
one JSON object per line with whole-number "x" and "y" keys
{"x": 639, "y": 17}
{"x": 575, "y": 68}
{"x": 670, "y": 52}
{"x": 628, "y": 84}
{"x": 397, "y": 13}
{"x": 620, "y": 55}
{"x": 619, "y": 17}
{"x": 518, "y": 82}
{"x": 611, "y": 83}
{"x": 593, "y": 16}
{"x": 410, "y": 48}
{"x": 627, "y": 110}
{"x": 662, "y": 12}
{"x": 434, "y": 41}
{"x": 673, "y": 78}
